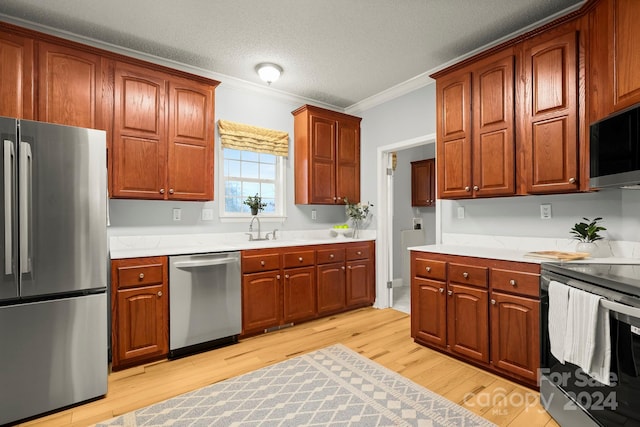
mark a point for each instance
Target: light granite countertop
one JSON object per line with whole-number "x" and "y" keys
{"x": 182, "y": 244}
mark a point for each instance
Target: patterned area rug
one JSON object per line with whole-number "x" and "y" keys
{"x": 334, "y": 386}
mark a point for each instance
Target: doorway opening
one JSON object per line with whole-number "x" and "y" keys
{"x": 386, "y": 237}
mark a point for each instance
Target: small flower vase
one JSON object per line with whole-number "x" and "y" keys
{"x": 254, "y": 211}
{"x": 587, "y": 247}
{"x": 356, "y": 228}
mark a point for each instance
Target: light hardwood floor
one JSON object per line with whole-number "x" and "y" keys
{"x": 380, "y": 335}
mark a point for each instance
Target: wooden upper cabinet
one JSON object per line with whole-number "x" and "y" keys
{"x": 550, "y": 134}
{"x": 453, "y": 148}
{"x": 494, "y": 127}
{"x": 423, "y": 182}
{"x": 476, "y": 132}
{"x": 162, "y": 136}
{"x": 139, "y": 133}
{"x": 190, "y": 159}
{"x": 327, "y": 156}
{"x": 69, "y": 86}
{"x": 16, "y": 76}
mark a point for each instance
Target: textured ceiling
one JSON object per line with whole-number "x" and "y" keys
{"x": 337, "y": 52}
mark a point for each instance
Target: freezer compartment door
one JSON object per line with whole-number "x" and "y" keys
{"x": 62, "y": 208}
{"x": 53, "y": 354}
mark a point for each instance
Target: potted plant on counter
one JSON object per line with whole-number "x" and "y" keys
{"x": 587, "y": 233}
{"x": 255, "y": 203}
{"x": 358, "y": 212}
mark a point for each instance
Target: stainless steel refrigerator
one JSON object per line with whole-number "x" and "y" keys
{"x": 53, "y": 301}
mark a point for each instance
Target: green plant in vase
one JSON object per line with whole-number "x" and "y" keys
{"x": 358, "y": 212}
{"x": 587, "y": 233}
{"x": 255, "y": 203}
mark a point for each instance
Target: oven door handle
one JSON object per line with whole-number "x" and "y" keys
{"x": 621, "y": 308}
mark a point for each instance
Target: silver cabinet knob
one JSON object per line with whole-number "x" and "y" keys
{"x": 465, "y": 275}
{"x": 141, "y": 276}
{"x": 493, "y": 302}
{"x": 512, "y": 282}
{"x": 171, "y": 191}
{"x": 441, "y": 290}
{"x": 334, "y": 198}
{"x": 349, "y": 267}
{"x": 428, "y": 269}
{"x": 342, "y": 267}
{"x": 359, "y": 253}
{"x": 572, "y": 180}
{"x": 278, "y": 276}
{"x": 262, "y": 263}
{"x": 300, "y": 259}
{"x": 159, "y": 293}
{"x": 162, "y": 191}
{"x": 476, "y": 188}
{"x": 286, "y": 276}
{"x": 331, "y": 256}
{"x": 339, "y": 198}
{"x": 449, "y": 293}
{"x": 467, "y": 188}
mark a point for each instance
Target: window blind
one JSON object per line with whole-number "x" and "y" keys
{"x": 239, "y": 136}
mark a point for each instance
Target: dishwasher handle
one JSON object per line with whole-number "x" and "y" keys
{"x": 205, "y": 263}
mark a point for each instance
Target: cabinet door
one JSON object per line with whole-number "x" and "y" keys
{"x": 551, "y": 128}
{"x": 16, "y": 76}
{"x": 261, "y": 301}
{"x": 299, "y": 294}
{"x": 69, "y": 86}
{"x": 139, "y": 133}
{"x": 468, "y": 322}
{"x": 453, "y": 148}
{"x": 515, "y": 334}
{"x": 429, "y": 311}
{"x": 142, "y": 324}
{"x": 359, "y": 283}
{"x": 493, "y": 127}
{"x": 323, "y": 160}
{"x": 190, "y": 157}
{"x": 625, "y": 45}
{"x": 423, "y": 182}
{"x": 348, "y": 161}
{"x": 331, "y": 287}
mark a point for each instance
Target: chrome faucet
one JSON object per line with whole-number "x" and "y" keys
{"x": 273, "y": 234}
{"x": 255, "y": 218}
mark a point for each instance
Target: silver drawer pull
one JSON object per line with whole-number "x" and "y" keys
{"x": 300, "y": 259}
{"x": 359, "y": 252}
{"x": 512, "y": 282}
{"x": 465, "y": 275}
{"x": 262, "y": 263}
{"x": 428, "y": 269}
{"x": 141, "y": 276}
{"x": 331, "y": 256}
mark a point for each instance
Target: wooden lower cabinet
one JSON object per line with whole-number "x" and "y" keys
{"x": 140, "y": 311}
{"x": 515, "y": 334}
{"x": 480, "y": 310}
{"x": 281, "y": 286}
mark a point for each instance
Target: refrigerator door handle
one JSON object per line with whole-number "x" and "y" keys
{"x": 9, "y": 155}
{"x": 26, "y": 166}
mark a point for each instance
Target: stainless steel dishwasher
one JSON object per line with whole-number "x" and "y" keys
{"x": 204, "y": 302}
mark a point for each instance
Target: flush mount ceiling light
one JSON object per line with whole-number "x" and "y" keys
{"x": 269, "y": 72}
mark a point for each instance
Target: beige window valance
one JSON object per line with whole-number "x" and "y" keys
{"x": 252, "y": 138}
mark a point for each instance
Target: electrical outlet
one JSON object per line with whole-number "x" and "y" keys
{"x": 460, "y": 212}
{"x": 177, "y": 214}
{"x": 545, "y": 211}
{"x": 417, "y": 223}
{"x": 207, "y": 214}
{"x": 314, "y": 214}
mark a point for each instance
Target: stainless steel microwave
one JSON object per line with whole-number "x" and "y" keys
{"x": 615, "y": 150}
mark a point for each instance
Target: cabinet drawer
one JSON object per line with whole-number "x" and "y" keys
{"x": 357, "y": 252}
{"x": 468, "y": 274}
{"x": 325, "y": 256}
{"x": 252, "y": 263}
{"x": 299, "y": 259}
{"x": 515, "y": 282}
{"x": 430, "y": 269}
{"x": 140, "y": 275}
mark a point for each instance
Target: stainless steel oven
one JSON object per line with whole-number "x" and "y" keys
{"x": 570, "y": 395}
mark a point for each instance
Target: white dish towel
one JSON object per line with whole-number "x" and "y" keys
{"x": 587, "y": 340}
{"x": 558, "y": 308}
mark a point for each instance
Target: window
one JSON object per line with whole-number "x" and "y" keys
{"x": 247, "y": 173}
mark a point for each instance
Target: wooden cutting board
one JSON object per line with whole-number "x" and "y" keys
{"x": 558, "y": 255}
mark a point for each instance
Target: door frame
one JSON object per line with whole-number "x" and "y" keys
{"x": 384, "y": 221}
